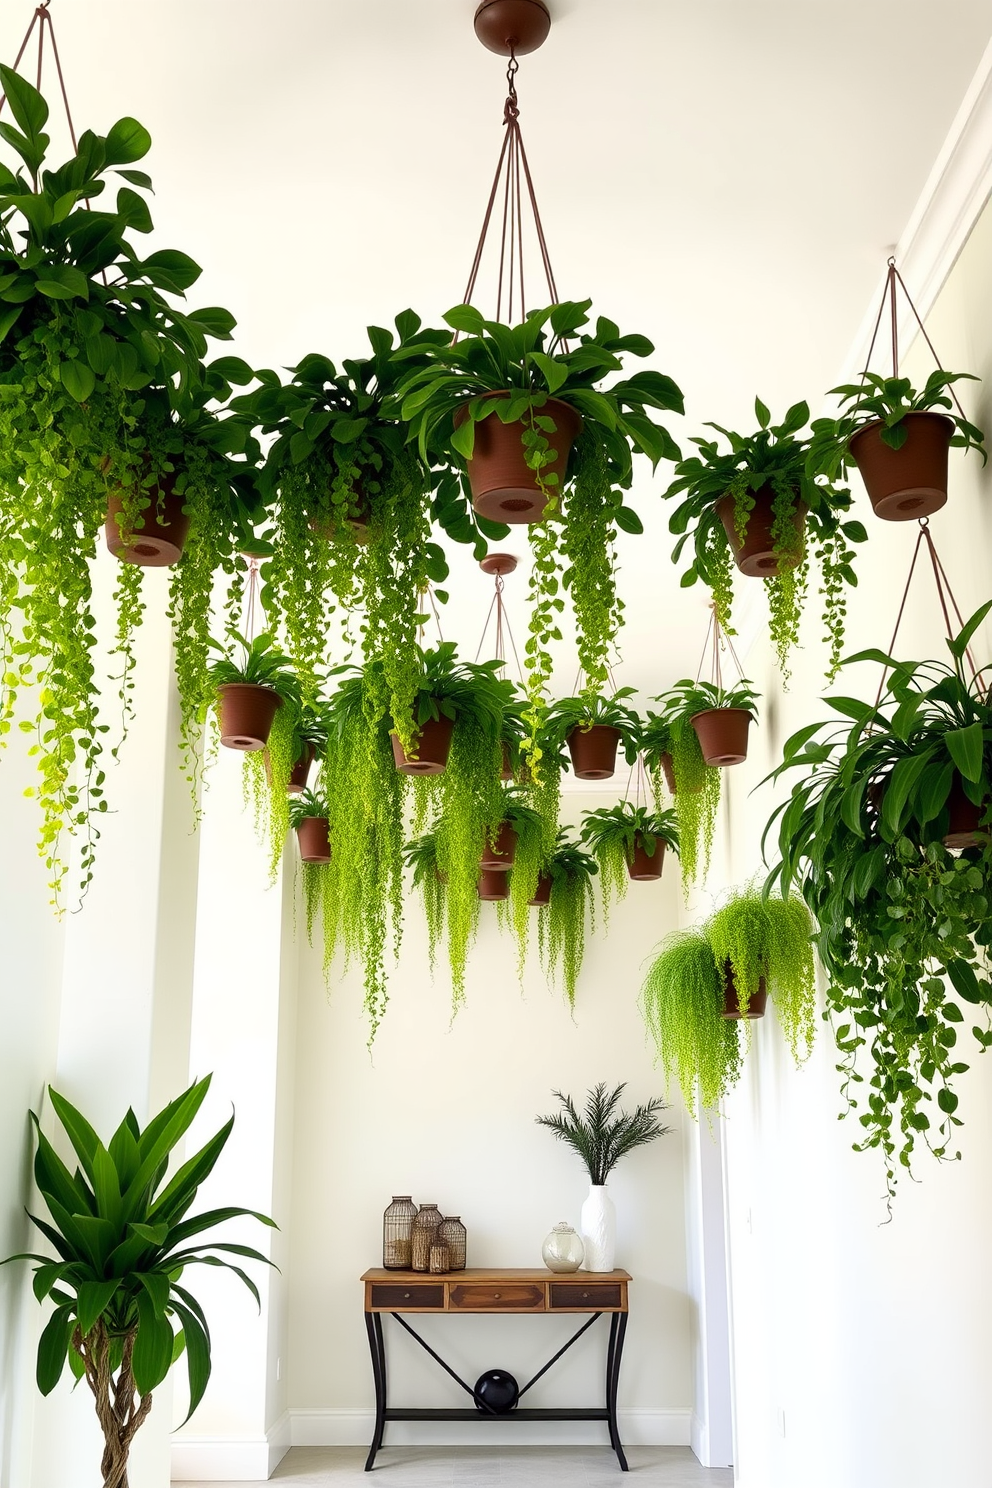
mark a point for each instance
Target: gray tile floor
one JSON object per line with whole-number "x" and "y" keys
{"x": 482, "y": 1467}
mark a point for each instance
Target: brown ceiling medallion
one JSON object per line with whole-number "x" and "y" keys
{"x": 498, "y": 563}
{"x": 512, "y": 27}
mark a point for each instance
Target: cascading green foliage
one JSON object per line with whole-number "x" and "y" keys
{"x": 770, "y": 938}
{"x": 612, "y": 833}
{"x": 90, "y": 347}
{"x": 562, "y": 922}
{"x": 298, "y": 727}
{"x": 696, "y": 797}
{"x": 774, "y": 460}
{"x": 527, "y": 863}
{"x": 123, "y": 1237}
{"x": 469, "y": 804}
{"x": 589, "y": 573}
{"x": 681, "y": 1001}
{"x": 420, "y": 855}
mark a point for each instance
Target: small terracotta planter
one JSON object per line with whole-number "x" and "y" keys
{"x": 431, "y": 748}
{"x": 159, "y": 532}
{"x": 642, "y": 866}
{"x": 504, "y": 488}
{"x": 909, "y": 482}
{"x": 542, "y": 894}
{"x": 594, "y": 751}
{"x": 493, "y": 886}
{"x": 498, "y": 857}
{"x": 245, "y": 714}
{"x": 722, "y": 734}
{"x": 962, "y": 827}
{"x": 298, "y": 774}
{"x": 668, "y": 770}
{"x": 755, "y": 556}
{"x": 731, "y": 1007}
{"x": 315, "y": 844}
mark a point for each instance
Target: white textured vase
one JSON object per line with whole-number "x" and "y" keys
{"x": 598, "y": 1227}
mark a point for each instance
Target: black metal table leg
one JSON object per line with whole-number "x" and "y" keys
{"x": 613, "y": 1383}
{"x": 373, "y": 1324}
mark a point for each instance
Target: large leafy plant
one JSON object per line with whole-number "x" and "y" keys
{"x": 904, "y": 922}
{"x": 123, "y": 1240}
{"x": 885, "y": 401}
{"x": 611, "y": 835}
{"x": 98, "y": 369}
{"x": 533, "y": 362}
{"x": 775, "y": 457}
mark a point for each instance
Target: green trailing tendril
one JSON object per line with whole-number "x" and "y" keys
{"x": 266, "y": 782}
{"x": 562, "y": 922}
{"x": 681, "y": 1001}
{"x": 527, "y": 863}
{"x": 587, "y": 545}
{"x": 420, "y": 855}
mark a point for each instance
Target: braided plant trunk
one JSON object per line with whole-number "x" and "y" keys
{"x": 119, "y": 1409}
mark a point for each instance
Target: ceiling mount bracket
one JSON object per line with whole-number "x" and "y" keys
{"x": 512, "y": 27}
{"x": 498, "y": 563}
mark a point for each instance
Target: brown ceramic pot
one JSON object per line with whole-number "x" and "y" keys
{"x": 301, "y": 769}
{"x": 159, "y": 530}
{"x": 504, "y": 488}
{"x": 909, "y": 482}
{"x": 430, "y": 750}
{"x": 245, "y": 714}
{"x": 498, "y": 856}
{"x": 594, "y": 751}
{"x": 542, "y": 894}
{"x": 493, "y": 885}
{"x": 643, "y": 866}
{"x": 731, "y": 1006}
{"x": 962, "y": 827}
{"x": 668, "y": 770}
{"x": 722, "y": 734}
{"x": 755, "y": 556}
{"x": 315, "y": 844}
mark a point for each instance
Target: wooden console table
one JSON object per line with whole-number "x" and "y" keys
{"x": 495, "y": 1291}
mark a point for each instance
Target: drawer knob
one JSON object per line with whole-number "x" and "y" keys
{"x": 406, "y": 1296}
{"x": 585, "y": 1294}
{"x": 496, "y": 1296}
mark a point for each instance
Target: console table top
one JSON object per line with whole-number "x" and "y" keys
{"x": 494, "y": 1273}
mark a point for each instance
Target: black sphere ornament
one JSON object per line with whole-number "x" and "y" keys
{"x": 496, "y": 1391}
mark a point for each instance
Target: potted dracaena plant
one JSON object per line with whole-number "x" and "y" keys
{"x": 719, "y": 716}
{"x": 898, "y": 438}
{"x": 601, "y": 1137}
{"x": 593, "y": 728}
{"x": 674, "y": 763}
{"x": 543, "y": 436}
{"x": 757, "y": 505}
{"x": 97, "y": 366}
{"x": 887, "y": 838}
{"x": 565, "y": 897}
{"x": 123, "y": 1237}
{"x": 628, "y": 842}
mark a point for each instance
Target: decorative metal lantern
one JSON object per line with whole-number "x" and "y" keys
{"x": 452, "y": 1233}
{"x": 397, "y": 1231}
{"x": 424, "y": 1236}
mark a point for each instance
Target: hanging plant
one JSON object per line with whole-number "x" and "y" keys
{"x": 277, "y": 774}
{"x": 420, "y": 855}
{"x": 681, "y": 1001}
{"x": 525, "y": 867}
{"x": 594, "y": 728}
{"x": 248, "y": 693}
{"x": 309, "y": 816}
{"x": 898, "y": 439}
{"x": 869, "y": 836}
{"x": 757, "y": 505}
{"x": 764, "y": 945}
{"x": 627, "y": 842}
{"x": 719, "y": 717}
{"x": 674, "y": 761}
{"x": 542, "y": 438}
{"x": 570, "y": 905}
{"x": 88, "y": 332}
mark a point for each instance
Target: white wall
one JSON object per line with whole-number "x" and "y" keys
{"x": 861, "y": 1357}
{"x": 446, "y": 1112}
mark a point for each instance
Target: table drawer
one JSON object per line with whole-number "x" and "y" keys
{"x": 586, "y": 1295}
{"x": 402, "y": 1298}
{"x": 496, "y": 1297}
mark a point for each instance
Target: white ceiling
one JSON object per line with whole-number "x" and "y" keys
{"x": 723, "y": 175}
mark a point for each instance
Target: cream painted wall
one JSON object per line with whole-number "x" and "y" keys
{"x": 445, "y": 1111}
{"x": 861, "y": 1354}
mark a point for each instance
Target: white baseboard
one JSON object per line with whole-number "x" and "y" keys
{"x": 639, "y": 1427}
{"x": 702, "y": 1445}
{"x": 209, "y": 1459}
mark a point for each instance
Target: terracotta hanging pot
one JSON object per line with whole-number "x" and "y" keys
{"x": 315, "y": 844}
{"x": 668, "y": 770}
{"x": 301, "y": 769}
{"x": 506, "y": 771}
{"x": 963, "y": 818}
{"x": 497, "y": 857}
{"x": 493, "y": 885}
{"x": 642, "y": 865}
{"x": 722, "y": 734}
{"x": 542, "y": 894}
{"x": 909, "y": 482}
{"x": 731, "y": 1006}
{"x": 245, "y": 714}
{"x": 504, "y": 488}
{"x": 159, "y": 529}
{"x": 755, "y": 556}
{"x": 430, "y": 748}
{"x": 593, "y": 751}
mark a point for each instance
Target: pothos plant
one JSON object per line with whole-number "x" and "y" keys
{"x": 886, "y": 837}
{"x": 512, "y": 373}
{"x": 611, "y": 834}
{"x": 723, "y": 490}
{"x": 88, "y": 332}
{"x": 298, "y": 727}
{"x": 674, "y": 762}
{"x": 562, "y": 922}
{"x": 529, "y": 854}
